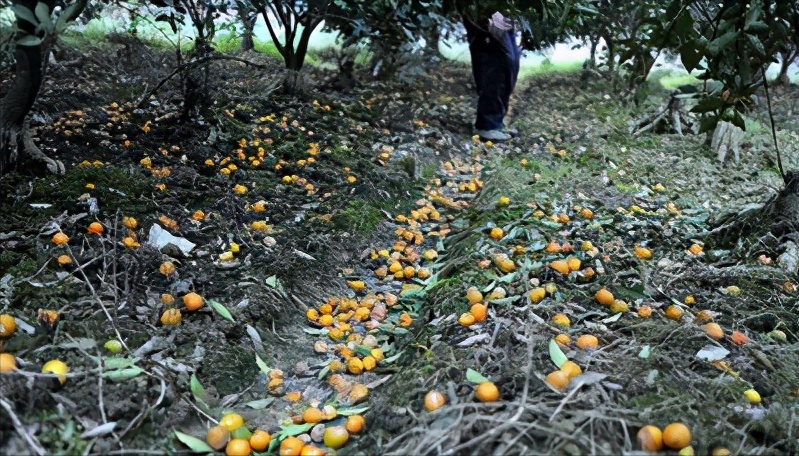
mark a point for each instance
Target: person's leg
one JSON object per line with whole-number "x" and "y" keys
{"x": 491, "y": 103}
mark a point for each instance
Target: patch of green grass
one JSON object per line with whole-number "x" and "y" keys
{"x": 626, "y": 188}
{"x": 673, "y": 79}
{"x": 549, "y": 68}
{"x": 267, "y": 47}
{"x": 359, "y": 217}
{"x": 17, "y": 264}
{"x": 227, "y": 43}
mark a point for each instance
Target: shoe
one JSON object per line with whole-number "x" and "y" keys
{"x": 493, "y": 135}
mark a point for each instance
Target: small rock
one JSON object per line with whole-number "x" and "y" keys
{"x": 789, "y": 260}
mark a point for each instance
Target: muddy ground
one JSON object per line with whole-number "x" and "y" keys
{"x": 344, "y": 173}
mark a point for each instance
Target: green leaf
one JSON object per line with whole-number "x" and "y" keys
{"x": 43, "y": 15}
{"x": 757, "y": 27}
{"x": 121, "y": 375}
{"x": 507, "y": 278}
{"x": 644, "y": 353}
{"x": 119, "y": 362}
{"x": 708, "y": 104}
{"x": 349, "y": 411}
{"x": 197, "y": 389}
{"x": 323, "y": 372}
{"x": 314, "y": 331}
{"x": 613, "y": 318}
{"x": 721, "y": 43}
{"x": 391, "y": 359}
{"x": 262, "y": 365}
{"x": 556, "y": 354}
{"x": 738, "y": 120}
{"x": 25, "y": 14}
{"x": 475, "y": 377}
{"x": 259, "y": 404}
{"x": 29, "y": 40}
{"x": 272, "y": 281}
{"x": 195, "y": 445}
{"x": 295, "y": 429}
{"x": 690, "y": 55}
{"x": 221, "y": 310}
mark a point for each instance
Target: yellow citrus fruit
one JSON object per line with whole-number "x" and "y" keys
{"x": 687, "y": 451}
{"x": 537, "y": 294}
{"x": 752, "y": 396}
{"x": 291, "y": 446}
{"x": 260, "y": 440}
{"x": 217, "y": 437}
{"x": 355, "y": 365}
{"x": 7, "y": 363}
{"x": 355, "y": 424}
{"x": 650, "y": 438}
{"x": 312, "y": 415}
{"x": 642, "y": 252}
{"x": 561, "y": 320}
{"x": 573, "y": 263}
{"x": 721, "y": 451}
{"x": 60, "y": 238}
{"x": 571, "y": 369}
{"x": 467, "y": 319}
{"x": 496, "y": 233}
{"x": 487, "y": 392}
{"x": 562, "y": 266}
{"x": 674, "y": 312}
{"x": 369, "y": 363}
{"x": 695, "y": 249}
{"x": 56, "y": 367}
{"x": 473, "y": 295}
{"x": 238, "y": 447}
{"x": 689, "y": 300}
{"x": 7, "y": 326}
{"x": 587, "y": 341}
{"x": 676, "y": 436}
{"x": 232, "y": 421}
{"x": 192, "y": 301}
{"x": 558, "y": 379}
{"x": 619, "y": 306}
{"x": 434, "y": 400}
{"x": 336, "y": 437}
{"x": 604, "y": 297}
{"x": 714, "y": 331}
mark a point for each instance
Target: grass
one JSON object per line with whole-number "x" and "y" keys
{"x": 547, "y": 67}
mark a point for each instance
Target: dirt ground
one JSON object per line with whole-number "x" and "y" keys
{"x": 329, "y": 191}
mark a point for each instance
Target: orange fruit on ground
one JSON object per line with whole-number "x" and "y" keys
{"x": 312, "y": 450}
{"x": 60, "y": 238}
{"x": 695, "y": 249}
{"x": 171, "y": 317}
{"x": 619, "y": 306}
{"x": 674, "y": 312}
{"x": 571, "y": 369}
{"x": 260, "y": 440}
{"x": 238, "y": 447}
{"x": 721, "y": 451}
{"x": 676, "y": 436}
{"x": 738, "y": 338}
{"x": 95, "y": 228}
{"x": 467, "y": 319}
{"x": 645, "y": 311}
{"x": 573, "y": 263}
{"x": 562, "y": 266}
{"x": 355, "y": 424}
{"x": 561, "y": 320}
{"x": 232, "y": 421}
{"x": 217, "y": 437}
{"x": 642, "y": 252}
{"x": 650, "y": 438}
{"x": 689, "y": 300}
{"x": 369, "y": 363}
{"x": 167, "y": 299}
{"x": 487, "y": 392}
{"x": 7, "y": 326}
{"x": 553, "y": 247}
{"x": 192, "y": 301}
{"x": 7, "y": 363}
{"x": 291, "y": 446}
{"x": 336, "y": 437}
{"x": 558, "y": 379}
{"x": 355, "y": 366}
{"x": 479, "y": 310}
{"x": 563, "y": 339}
{"x": 587, "y": 341}
{"x": 604, "y": 297}
{"x": 714, "y": 331}
{"x": 312, "y": 415}
{"x": 434, "y": 400}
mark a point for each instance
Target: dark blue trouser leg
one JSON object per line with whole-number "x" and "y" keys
{"x": 495, "y": 66}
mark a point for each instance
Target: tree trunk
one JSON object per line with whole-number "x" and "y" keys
{"x": 247, "y": 18}
{"x": 18, "y": 101}
{"x": 594, "y": 43}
